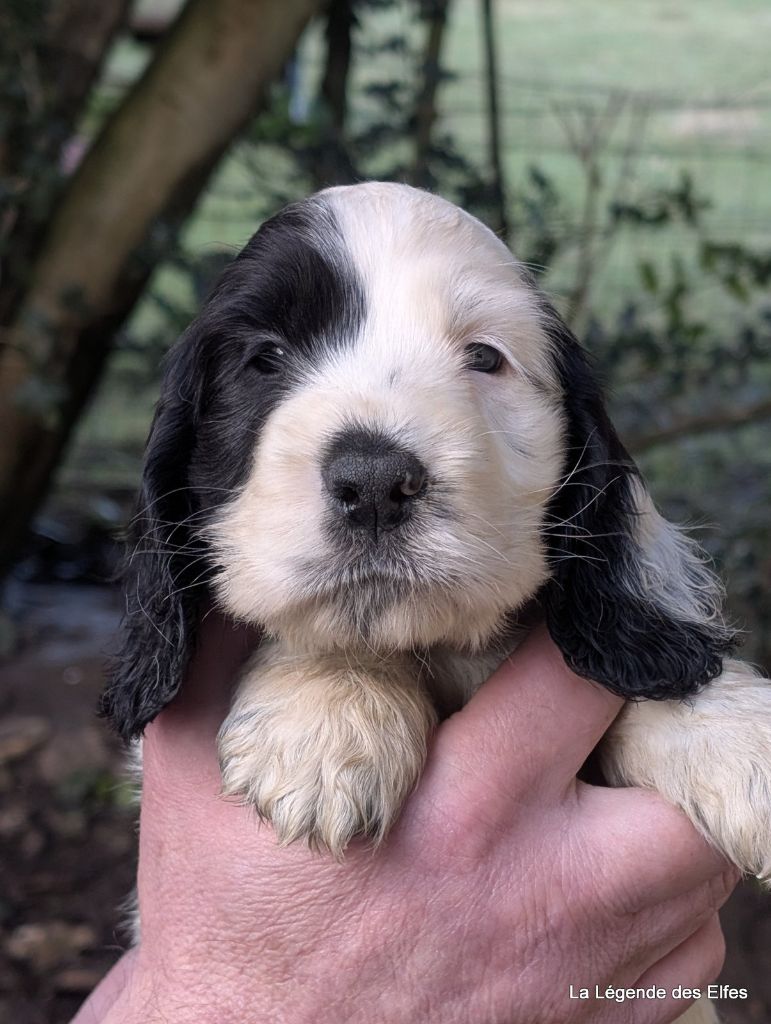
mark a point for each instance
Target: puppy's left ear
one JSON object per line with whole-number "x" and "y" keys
{"x": 165, "y": 571}
{"x": 631, "y": 603}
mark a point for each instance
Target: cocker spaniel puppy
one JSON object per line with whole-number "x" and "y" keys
{"x": 379, "y": 443}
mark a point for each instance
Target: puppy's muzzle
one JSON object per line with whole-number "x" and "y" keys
{"x": 372, "y": 484}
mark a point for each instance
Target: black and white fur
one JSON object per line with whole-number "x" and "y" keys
{"x": 343, "y": 338}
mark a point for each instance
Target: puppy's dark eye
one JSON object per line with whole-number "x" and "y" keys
{"x": 270, "y": 358}
{"x": 483, "y": 358}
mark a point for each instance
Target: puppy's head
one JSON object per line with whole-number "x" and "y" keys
{"x": 377, "y": 433}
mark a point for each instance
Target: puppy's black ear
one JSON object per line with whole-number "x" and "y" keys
{"x": 631, "y": 602}
{"x": 164, "y": 572}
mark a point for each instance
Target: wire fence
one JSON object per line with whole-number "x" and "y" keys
{"x": 641, "y": 140}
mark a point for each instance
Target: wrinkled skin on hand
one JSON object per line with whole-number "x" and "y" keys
{"x": 505, "y": 881}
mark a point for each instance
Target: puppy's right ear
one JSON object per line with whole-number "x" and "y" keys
{"x": 165, "y": 567}
{"x": 631, "y": 603}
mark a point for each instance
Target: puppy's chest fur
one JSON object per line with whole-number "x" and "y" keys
{"x": 327, "y": 744}
{"x": 452, "y": 677}
{"x": 448, "y": 675}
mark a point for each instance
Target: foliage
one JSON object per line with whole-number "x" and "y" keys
{"x": 665, "y": 355}
{"x": 684, "y": 345}
{"x": 28, "y": 121}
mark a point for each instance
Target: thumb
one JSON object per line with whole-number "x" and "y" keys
{"x": 181, "y": 741}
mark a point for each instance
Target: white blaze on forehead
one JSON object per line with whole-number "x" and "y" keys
{"x": 430, "y": 270}
{"x": 434, "y": 280}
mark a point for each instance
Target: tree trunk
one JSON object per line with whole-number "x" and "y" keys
{"x": 79, "y": 33}
{"x": 498, "y": 191}
{"x": 56, "y": 74}
{"x": 425, "y": 107}
{"x": 333, "y": 165}
{"x": 144, "y": 171}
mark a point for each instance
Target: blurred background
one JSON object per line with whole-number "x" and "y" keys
{"x": 623, "y": 150}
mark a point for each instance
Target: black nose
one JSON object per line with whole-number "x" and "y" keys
{"x": 371, "y": 482}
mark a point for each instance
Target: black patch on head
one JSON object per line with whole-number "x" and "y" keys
{"x": 282, "y": 289}
{"x": 293, "y": 287}
{"x": 598, "y": 611}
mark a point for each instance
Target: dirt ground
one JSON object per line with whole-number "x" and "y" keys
{"x": 67, "y": 827}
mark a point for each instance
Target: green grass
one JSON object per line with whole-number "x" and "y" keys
{"x": 704, "y": 48}
{"x": 671, "y": 86}
{"x": 668, "y": 86}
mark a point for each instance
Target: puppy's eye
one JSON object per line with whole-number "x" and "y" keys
{"x": 483, "y": 358}
{"x": 271, "y": 358}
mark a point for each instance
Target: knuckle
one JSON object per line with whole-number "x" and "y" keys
{"x": 647, "y": 817}
{"x": 688, "y": 855}
{"x": 714, "y": 951}
{"x": 453, "y": 831}
{"x": 710, "y": 896}
{"x": 722, "y": 885}
{"x": 669, "y": 822}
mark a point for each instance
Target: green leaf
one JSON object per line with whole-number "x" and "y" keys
{"x": 649, "y": 276}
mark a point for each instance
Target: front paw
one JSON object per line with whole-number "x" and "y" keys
{"x": 711, "y": 757}
{"x": 326, "y": 754}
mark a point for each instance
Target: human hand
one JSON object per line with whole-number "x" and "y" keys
{"x": 505, "y": 881}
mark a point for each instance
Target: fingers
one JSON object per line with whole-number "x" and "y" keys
{"x": 670, "y": 883}
{"x": 533, "y": 721}
{"x": 107, "y": 992}
{"x": 693, "y": 965}
{"x": 221, "y": 647}
{"x": 649, "y": 851}
{"x": 668, "y": 926}
{"x": 180, "y": 744}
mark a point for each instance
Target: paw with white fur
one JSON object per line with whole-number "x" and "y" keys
{"x": 325, "y": 750}
{"x": 710, "y": 756}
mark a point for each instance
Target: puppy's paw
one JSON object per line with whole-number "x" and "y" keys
{"x": 323, "y": 751}
{"x": 711, "y": 757}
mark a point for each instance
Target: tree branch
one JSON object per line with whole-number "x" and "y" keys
{"x": 435, "y": 16}
{"x": 143, "y": 173}
{"x": 495, "y": 158}
{"x": 332, "y": 163}
{"x": 65, "y": 64}
{"x": 718, "y": 419}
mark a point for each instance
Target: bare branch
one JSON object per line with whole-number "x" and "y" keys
{"x": 57, "y": 74}
{"x": 425, "y": 106}
{"x": 333, "y": 165}
{"x": 716, "y": 419}
{"x": 494, "y": 121}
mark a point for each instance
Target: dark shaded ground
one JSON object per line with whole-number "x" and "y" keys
{"x": 67, "y": 828}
